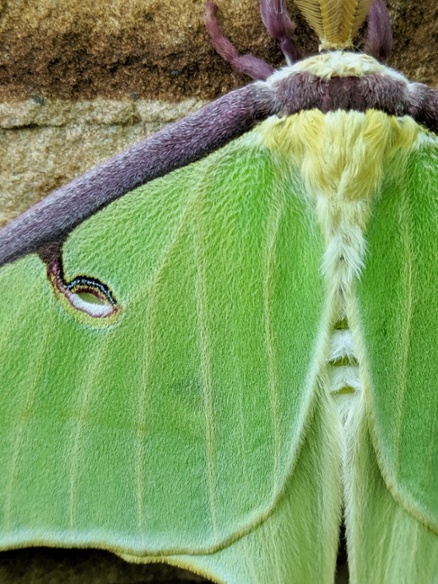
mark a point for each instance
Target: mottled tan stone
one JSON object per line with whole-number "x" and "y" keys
{"x": 159, "y": 49}
{"x": 44, "y": 145}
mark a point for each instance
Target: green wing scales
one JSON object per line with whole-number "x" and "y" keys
{"x": 188, "y": 409}
{"x": 395, "y": 519}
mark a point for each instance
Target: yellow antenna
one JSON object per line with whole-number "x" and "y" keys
{"x": 336, "y": 22}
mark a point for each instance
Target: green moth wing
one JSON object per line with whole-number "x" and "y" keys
{"x": 396, "y": 518}
{"x": 206, "y": 305}
{"x": 401, "y": 345}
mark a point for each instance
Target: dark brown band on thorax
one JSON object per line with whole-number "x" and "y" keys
{"x": 304, "y": 91}
{"x": 307, "y": 91}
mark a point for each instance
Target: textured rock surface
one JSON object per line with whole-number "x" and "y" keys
{"x": 80, "y": 81}
{"x": 44, "y": 144}
{"x": 158, "y": 49}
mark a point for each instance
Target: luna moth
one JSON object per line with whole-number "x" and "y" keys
{"x": 220, "y": 345}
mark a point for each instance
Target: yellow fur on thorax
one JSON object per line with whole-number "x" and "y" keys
{"x": 341, "y": 156}
{"x": 342, "y": 64}
{"x": 341, "y": 159}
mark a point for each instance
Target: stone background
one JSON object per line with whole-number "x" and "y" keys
{"x": 80, "y": 81}
{"x": 159, "y": 49}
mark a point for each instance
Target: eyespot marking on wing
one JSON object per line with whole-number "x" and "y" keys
{"x": 84, "y": 297}
{"x": 89, "y": 295}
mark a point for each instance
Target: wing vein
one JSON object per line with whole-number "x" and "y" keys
{"x": 273, "y": 225}
{"x": 201, "y": 294}
{"x": 406, "y": 330}
{"x": 144, "y": 401}
{"x": 91, "y": 371}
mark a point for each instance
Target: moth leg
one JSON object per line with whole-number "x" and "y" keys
{"x": 280, "y": 27}
{"x": 256, "y": 68}
{"x": 378, "y": 42}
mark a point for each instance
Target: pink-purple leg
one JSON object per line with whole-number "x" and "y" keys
{"x": 280, "y": 27}
{"x": 378, "y": 43}
{"x": 248, "y": 64}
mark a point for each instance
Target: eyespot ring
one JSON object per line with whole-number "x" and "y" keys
{"x": 84, "y": 297}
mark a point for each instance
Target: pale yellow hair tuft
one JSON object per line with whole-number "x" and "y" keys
{"x": 335, "y": 21}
